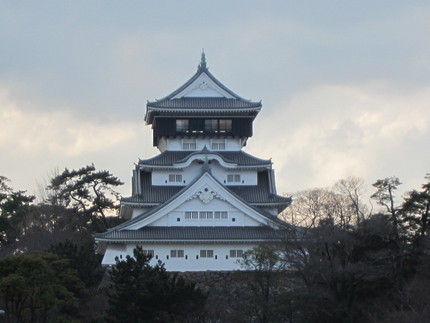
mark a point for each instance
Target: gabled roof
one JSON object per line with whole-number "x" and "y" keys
{"x": 239, "y": 158}
{"x": 202, "y": 94}
{"x": 141, "y": 221}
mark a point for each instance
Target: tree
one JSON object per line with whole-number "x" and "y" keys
{"x": 416, "y": 210}
{"x": 144, "y": 293}
{"x": 353, "y": 188}
{"x": 385, "y": 190}
{"x": 82, "y": 259}
{"x": 342, "y": 205}
{"x": 344, "y": 269}
{"x": 14, "y": 206}
{"x": 266, "y": 294}
{"x": 38, "y": 287}
{"x": 90, "y": 193}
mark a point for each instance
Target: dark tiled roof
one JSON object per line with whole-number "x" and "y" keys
{"x": 194, "y": 104}
{"x": 157, "y": 194}
{"x": 256, "y": 195}
{"x": 204, "y": 104}
{"x": 152, "y": 194}
{"x": 241, "y": 158}
{"x": 194, "y": 233}
{"x": 259, "y": 195}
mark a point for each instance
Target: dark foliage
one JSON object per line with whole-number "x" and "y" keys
{"x": 144, "y": 293}
{"x": 14, "y": 206}
{"x": 39, "y": 287}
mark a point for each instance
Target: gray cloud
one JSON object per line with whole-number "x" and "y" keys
{"x": 343, "y": 84}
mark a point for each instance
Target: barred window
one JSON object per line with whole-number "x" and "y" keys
{"x": 206, "y": 253}
{"x": 221, "y": 215}
{"x": 211, "y": 125}
{"x": 191, "y": 215}
{"x": 225, "y": 125}
{"x": 236, "y": 253}
{"x": 148, "y": 252}
{"x": 233, "y": 178}
{"x": 218, "y": 146}
{"x": 189, "y": 145}
{"x": 175, "y": 178}
{"x": 177, "y": 253}
{"x": 182, "y": 125}
{"x": 206, "y": 215}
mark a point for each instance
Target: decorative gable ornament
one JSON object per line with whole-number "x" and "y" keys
{"x": 206, "y": 196}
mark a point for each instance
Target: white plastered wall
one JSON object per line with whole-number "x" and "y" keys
{"x": 191, "y": 261}
{"x": 176, "y": 144}
{"x": 235, "y": 216}
{"x": 189, "y": 174}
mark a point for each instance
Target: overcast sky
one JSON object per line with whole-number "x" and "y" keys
{"x": 345, "y": 85}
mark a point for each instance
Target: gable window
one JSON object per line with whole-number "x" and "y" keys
{"x": 175, "y": 178}
{"x": 233, "y": 178}
{"x": 236, "y": 253}
{"x": 177, "y": 253}
{"x": 206, "y": 215}
{"x": 191, "y": 215}
{"x": 182, "y": 125}
{"x": 206, "y": 253}
{"x": 220, "y": 215}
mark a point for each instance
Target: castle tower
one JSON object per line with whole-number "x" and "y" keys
{"x": 202, "y": 201}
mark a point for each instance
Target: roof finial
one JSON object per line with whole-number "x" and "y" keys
{"x": 203, "y": 61}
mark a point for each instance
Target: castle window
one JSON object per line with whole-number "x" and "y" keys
{"x": 148, "y": 252}
{"x": 189, "y": 145}
{"x": 206, "y": 253}
{"x": 236, "y": 253}
{"x": 175, "y": 178}
{"x": 177, "y": 253}
{"x": 182, "y": 125}
{"x": 218, "y": 125}
{"x": 211, "y": 125}
{"x": 220, "y": 215}
{"x": 224, "y": 125}
{"x": 233, "y": 178}
{"x": 191, "y": 215}
{"x": 218, "y": 146}
{"x": 206, "y": 215}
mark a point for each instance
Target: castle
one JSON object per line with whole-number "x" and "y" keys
{"x": 203, "y": 201}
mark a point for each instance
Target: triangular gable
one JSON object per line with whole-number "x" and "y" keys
{"x": 203, "y": 87}
{"x": 198, "y": 84}
{"x": 206, "y": 188}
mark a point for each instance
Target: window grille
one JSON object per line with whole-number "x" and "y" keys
{"x": 206, "y": 253}
{"x": 189, "y": 146}
{"x": 191, "y": 215}
{"x": 236, "y": 253}
{"x": 175, "y": 178}
{"x": 218, "y": 146}
{"x": 177, "y": 253}
{"x": 233, "y": 178}
{"x": 182, "y": 125}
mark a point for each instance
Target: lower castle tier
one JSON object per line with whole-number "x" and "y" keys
{"x": 202, "y": 202}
